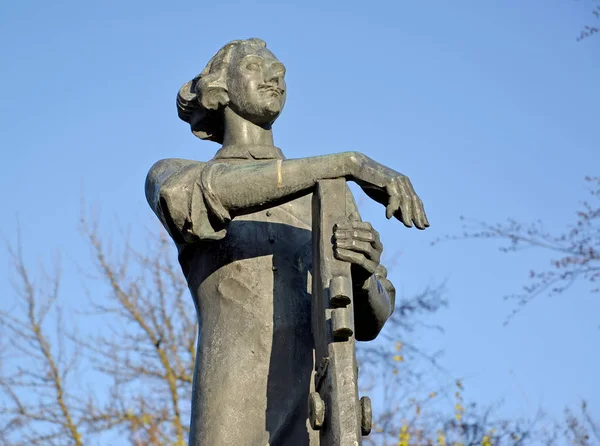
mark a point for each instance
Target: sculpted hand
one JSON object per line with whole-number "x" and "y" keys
{"x": 390, "y": 188}
{"x": 405, "y": 204}
{"x": 358, "y": 243}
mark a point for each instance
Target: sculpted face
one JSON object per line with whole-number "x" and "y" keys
{"x": 256, "y": 85}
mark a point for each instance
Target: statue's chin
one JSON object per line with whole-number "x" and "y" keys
{"x": 273, "y": 111}
{"x": 262, "y": 113}
{"x": 267, "y": 115}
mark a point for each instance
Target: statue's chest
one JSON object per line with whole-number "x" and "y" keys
{"x": 262, "y": 267}
{"x": 282, "y": 230}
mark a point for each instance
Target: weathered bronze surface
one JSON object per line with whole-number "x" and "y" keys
{"x": 244, "y": 224}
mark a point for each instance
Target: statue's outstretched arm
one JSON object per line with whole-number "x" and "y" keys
{"x": 247, "y": 187}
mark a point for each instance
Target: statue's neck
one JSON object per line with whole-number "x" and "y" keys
{"x": 244, "y": 139}
{"x": 241, "y": 133}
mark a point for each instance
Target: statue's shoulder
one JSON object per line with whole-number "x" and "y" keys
{"x": 163, "y": 169}
{"x": 170, "y": 173}
{"x": 172, "y": 165}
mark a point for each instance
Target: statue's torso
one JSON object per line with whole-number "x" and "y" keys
{"x": 252, "y": 290}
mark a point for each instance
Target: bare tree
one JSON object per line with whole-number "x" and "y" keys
{"x": 149, "y": 344}
{"x": 41, "y": 405}
{"x": 574, "y": 252}
{"x": 146, "y": 349}
{"x": 590, "y": 30}
{"x": 131, "y": 376}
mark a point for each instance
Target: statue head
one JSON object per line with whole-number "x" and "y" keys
{"x": 244, "y": 76}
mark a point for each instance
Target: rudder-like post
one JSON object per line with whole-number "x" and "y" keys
{"x": 334, "y": 407}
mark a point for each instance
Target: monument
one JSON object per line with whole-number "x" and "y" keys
{"x": 283, "y": 273}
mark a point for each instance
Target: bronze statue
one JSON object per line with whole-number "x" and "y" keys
{"x": 242, "y": 223}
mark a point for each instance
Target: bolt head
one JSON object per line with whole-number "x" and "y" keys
{"x": 316, "y": 410}
{"x": 366, "y": 415}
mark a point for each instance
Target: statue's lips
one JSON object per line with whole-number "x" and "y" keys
{"x": 271, "y": 89}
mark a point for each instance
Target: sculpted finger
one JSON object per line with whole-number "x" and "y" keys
{"x": 377, "y": 242}
{"x": 424, "y": 215}
{"x": 364, "y": 225}
{"x": 418, "y": 210}
{"x": 349, "y": 225}
{"x": 392, "y": 207}
{"x": 358, "y": 246}
{"x": 418, "y": 216}
{"x": 409, "y": 186}
{"x": 353, "y": 234}
{"x": 355, "y": 258}
{"x": 406, "y": 212}
{"x": 393, "y": 200}
{"x": 344, "y": 226}
{"x": 405, "y": 202}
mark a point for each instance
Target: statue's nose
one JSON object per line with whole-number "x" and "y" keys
{"x": 272, "y": 79}
{"x": 273, "y": 76}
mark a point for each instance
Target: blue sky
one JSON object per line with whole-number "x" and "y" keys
{"x": 491, "y": 108}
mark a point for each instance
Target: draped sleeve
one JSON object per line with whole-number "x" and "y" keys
{"x": 181, "y": 195}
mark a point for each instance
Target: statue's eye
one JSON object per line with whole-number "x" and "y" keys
{"x": 253, "y": 66}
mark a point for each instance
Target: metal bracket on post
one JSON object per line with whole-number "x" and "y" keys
{"x": 340, "y": 291}
{"x": 342, "y": 326}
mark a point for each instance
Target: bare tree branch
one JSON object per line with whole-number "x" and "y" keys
{"x": 576, "y": 250}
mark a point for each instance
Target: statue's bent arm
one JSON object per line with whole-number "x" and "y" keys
{"x": 274, "y": 182}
